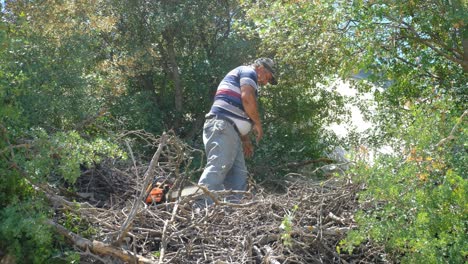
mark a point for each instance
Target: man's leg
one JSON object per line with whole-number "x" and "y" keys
{"x": 220, "y": 141}
{"x": 236, "y": 178}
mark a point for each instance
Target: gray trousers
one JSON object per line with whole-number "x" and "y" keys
{"x": 225, "y": 168}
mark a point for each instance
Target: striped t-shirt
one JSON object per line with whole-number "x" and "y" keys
{"x": 228, "y": 101}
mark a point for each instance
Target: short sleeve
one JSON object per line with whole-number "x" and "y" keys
{"x": 248, "y": 76}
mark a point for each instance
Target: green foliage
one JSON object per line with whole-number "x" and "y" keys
{"x": 22, "y": 211}
{"x": 22, "y": 215}
{"x": 392, "y": 44}
{"x": 60, "y": 155}
{"x": 47, "y": 93}
{"x": 72, "y": 257}
{"x": 416, "y": 203}
{"x": 287, "y": 227}
{"x": 55, "y": 158}
{"x": 413, "y": 50}
{"x": 49, "y": 70}
{"x": 64, "y": 67}
{"x": 136, "y": 110}
{"x": 415, "y": 207}
{"x": 295, "y": 112}
{"x": 77, "y": 225}
{"x": 22, "y": 229}
{"x": 174, "y": 53}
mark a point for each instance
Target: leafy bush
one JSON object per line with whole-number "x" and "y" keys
{"x": 54, "y": 158}
{"x": 415, "y": 203}
{"x": 23, "y": 212}
{"x": 60, "y": 155}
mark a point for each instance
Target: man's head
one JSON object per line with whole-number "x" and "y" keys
{"x": 266, "y": 71}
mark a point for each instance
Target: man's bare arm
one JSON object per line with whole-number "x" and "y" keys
{"x": 249, "y": 102}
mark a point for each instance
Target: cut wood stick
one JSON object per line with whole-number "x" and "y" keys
{"x": 164, "y": 234}
{"x": 270, "y": 256}
{"x": 220, "y": 203}
{"x": 149, "y": 175}
{"x": 98, "y": 247}
{"x": 332, "y": 231}
{"x": 336, "y": 218}
{"x": 257, "y": 253}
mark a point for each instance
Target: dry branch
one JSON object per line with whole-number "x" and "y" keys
{"x": 98, "y": 247}
{"x": 164, "y": 233}
{"x": 149, "y": 175}
{"x": 451, "y": 136}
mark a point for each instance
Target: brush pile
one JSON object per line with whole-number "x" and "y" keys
{"x": 303, "y": 224}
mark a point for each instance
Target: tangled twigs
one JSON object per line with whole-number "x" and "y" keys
{"x": 149, "y": 175}
{"x": 302, "y": 225}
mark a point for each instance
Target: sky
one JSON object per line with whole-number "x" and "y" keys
{"x": 357, "y": 120}
{"x": 356, "y": 115}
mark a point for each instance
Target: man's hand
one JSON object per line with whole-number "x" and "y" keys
{"x": 258, "y": 131}
{"x": 247, "y": 145}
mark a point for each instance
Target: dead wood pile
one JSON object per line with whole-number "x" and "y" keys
{"x": 302, "y": 225}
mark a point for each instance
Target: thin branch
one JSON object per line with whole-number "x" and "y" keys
{"x": 427, "y": 73}
{"x": 147, "y": 179}
{"x": 102, "y": 112}
{"x": 430, "y": 44}
{"x": 11, "y": 147}
{"x": 164, "y": 233}
{"x": 220, "y": 203}
{"x": 451, "y": 136}
{"x": 133, "y": 159}
{"x": 298, "y": 164}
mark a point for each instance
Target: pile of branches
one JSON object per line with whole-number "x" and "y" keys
{"x": 302, "y": 225}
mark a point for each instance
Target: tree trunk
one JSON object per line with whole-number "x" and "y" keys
{"x": 174, "y": 71}
{"x": 465, "y": 52}
{"x": 146, "y": 81}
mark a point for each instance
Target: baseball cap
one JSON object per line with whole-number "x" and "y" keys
{"x": 269, "y": 64}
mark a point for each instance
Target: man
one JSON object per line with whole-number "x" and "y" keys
{"x": 233, "y": 115}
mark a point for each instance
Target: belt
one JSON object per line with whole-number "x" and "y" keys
{"x": 225, "y": 118}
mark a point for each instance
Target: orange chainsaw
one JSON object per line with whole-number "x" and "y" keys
{"x": 157, "y": 192}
